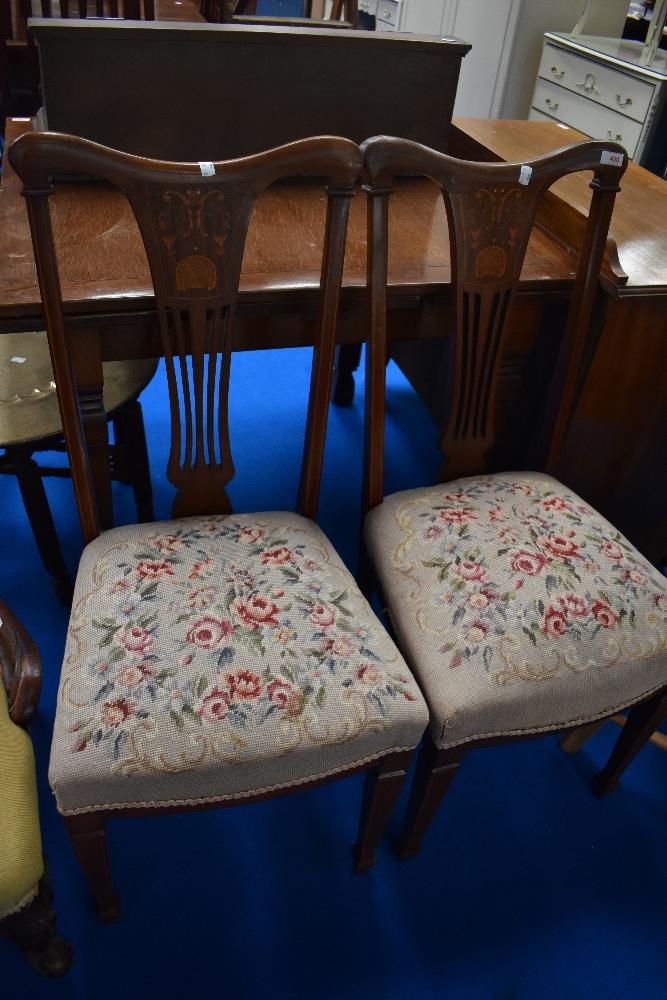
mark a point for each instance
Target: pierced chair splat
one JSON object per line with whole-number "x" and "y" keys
{"x": 214, "y": 658}
{"x": 519, "y": 608}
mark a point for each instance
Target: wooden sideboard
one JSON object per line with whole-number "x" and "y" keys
{"x": 211, "y": 92}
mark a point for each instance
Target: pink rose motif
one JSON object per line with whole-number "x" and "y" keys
{"x": 468, "y": 570}
{"x": 659, "y": 600}
{"x": 279, "y": 693}
{"x": 137, "y": 640}
{"x": 152, "y": 570}
{"x": 201, "y": 597}
{"x": 530, "y": 563}
{"x": 214, "y": 706}
{"x": 555, "y": 503}
{"x": 432, "y": 531}
{"x": 198, "y": 568}
{"x": 209, "y": 632}
{"x": 254, "y": 611}
{"x": 612, "y": 550}
{"x": 455, "y": 497}
{"x": 244, "y": 684}
{"x": 554, "y": 623}
{"x": 322, "y": 615}
{"x": 457, "y": 516}
{"x": 478, "y": 600}
{"x": 494, "y": 514}
{"x": 277, "y": 557}
{"x": 560, "y": 546}
{"x": 524, "y": 488}
{"x": 368, "y": 674}
{"x": 572, "y": 604}
{"x": 604, "y": 615}
{"x": 250, "y": 534}
{"x": 168, "y": 543}
{"x": 114, "y": 713}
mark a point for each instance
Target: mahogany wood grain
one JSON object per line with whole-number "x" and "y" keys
{"x": 193, "y": 226}
{"x": 491, "y": 211}
{"x": 639, "y": 223}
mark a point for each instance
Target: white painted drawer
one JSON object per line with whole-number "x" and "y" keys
{"x": 389, "y": 12}
{"x": 603, "y": 84}
{"x": 368, "y": 6}
{"x": 586, "y": 116}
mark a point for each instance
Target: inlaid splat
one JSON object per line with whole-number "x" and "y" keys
{"x": 193, "y": 222}
{"x": 491, "y": 209}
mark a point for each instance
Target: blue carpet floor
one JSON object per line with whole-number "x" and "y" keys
{"x": 526, "y": 888}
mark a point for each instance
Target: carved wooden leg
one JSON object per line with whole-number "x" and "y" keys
{"x": 642, "y": 722}
{"x": 39, "y": 514}
{"x": 435, "y": 771}
{"x": 348, "y": 357}
{"x": 33, "y": 929}
{"x": 383, "y": 784}
{"x": 574, "y": 739}
{"x": 130, "y": 437}
{"x": 88, "y": 838}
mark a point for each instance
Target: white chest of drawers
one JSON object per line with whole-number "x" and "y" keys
{"x": 598, "y": 86}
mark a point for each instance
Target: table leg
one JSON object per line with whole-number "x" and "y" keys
{"x": 85, "y": 346}
{"x": 347, "y": 361}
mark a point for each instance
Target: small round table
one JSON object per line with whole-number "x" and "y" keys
{"x": 30, "y": 422}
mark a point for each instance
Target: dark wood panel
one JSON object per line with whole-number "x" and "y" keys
{"x": 256, "y": 87}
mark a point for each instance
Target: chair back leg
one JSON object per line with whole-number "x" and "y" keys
{"x": 86, "y": 831}
{"x": 642, "y": 722}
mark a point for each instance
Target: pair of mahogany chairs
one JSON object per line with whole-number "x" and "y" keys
{"x": 221, "y": 658}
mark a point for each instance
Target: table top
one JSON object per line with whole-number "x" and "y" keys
{"x": 639, "y": 222}
{"x": 103, "y": 265}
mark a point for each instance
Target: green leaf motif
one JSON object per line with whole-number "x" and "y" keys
{"x": 176, "y": 718}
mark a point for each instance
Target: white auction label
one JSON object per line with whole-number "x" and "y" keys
{"x": 207, "y": 168}
{"x": 525, "y": 174}
{"x": 611, "y": 158}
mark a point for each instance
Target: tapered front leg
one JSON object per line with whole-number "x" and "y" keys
{"x": 383, "y": 785}
{"x": 642, "y": 722}
{"x": 435, "y": 770}
{"x": 88, "y": 838}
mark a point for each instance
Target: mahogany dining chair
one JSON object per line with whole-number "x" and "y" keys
{"x": 519, "y": 608}
{"x": 216, "y": 658}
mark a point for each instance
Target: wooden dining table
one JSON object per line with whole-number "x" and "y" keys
{"x": 617, "y": 428}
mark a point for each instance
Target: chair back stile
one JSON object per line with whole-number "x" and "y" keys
{"x": 193, "y": 219}
{"x": 491, "y": 209}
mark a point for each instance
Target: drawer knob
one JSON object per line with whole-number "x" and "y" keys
{"x": 623, "y": 102}
{"x": 558, "y": 73}
{"x": 617, "y": 138}
{"x": 588, "y": 85}
{"x": 551, "y": 104}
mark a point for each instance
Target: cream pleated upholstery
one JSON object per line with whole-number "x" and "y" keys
{"x": 519, "y": 608}
{"x": 213, "y": 658}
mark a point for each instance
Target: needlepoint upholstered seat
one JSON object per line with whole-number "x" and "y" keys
{"x": 217, "y": 657}
{"x": 520, "y": 609}
{"x": 212, "y": 658}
